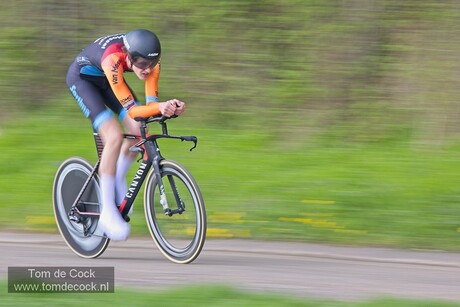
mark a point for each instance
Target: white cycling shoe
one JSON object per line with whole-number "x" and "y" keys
{"x": 113, "y": 225}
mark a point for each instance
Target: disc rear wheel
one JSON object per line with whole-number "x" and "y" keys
{"x": 80, "y": 232}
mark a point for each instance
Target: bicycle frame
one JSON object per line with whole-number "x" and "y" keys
{"x": 148, "y": 147}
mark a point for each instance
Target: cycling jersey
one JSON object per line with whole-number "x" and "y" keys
{"x": 95, "y": 79}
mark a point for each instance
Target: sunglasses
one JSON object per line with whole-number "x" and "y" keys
{"x": 142, "y": 63}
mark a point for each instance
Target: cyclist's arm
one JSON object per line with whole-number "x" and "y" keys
{"x": 152, "y": 107}
{"x": 151, "y": 85}
{"x": 112, "y": 65}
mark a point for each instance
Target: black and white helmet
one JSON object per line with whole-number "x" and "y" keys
{"x": 143, "y": 43}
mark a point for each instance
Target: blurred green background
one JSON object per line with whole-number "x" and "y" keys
{"x": 319, "y": 121}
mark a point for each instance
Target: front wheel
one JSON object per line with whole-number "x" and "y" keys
{"x": 180, "y": 236}
{"x": 79, "y": 232}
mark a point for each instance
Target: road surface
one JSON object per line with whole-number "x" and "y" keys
{"x": 297, "y": 269}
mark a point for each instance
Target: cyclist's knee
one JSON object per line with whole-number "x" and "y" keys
{"x": 132, "y": 127}
{"x": 111, "y": 133}
{"x": 116, "y": 139}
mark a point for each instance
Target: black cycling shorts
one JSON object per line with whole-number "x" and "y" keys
{"x": 94, "y": 96}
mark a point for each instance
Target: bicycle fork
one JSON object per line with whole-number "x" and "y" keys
{"x": 163, "y": 198}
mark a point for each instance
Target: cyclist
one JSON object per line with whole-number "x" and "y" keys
{"x": 95, "y": 79}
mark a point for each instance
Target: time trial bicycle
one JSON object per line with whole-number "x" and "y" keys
{"x": 173, "y": 204}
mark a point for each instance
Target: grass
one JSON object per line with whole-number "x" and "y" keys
{"x": 258, "y": 186}
{"x": 315, "y": 147}
{"x": 203, "y": 295}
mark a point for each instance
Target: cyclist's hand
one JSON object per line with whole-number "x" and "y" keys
{"x": 171, "y": 107}
{"x": 180, "y": 107}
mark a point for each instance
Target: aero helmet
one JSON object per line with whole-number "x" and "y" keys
{"x": 143, "y": 43}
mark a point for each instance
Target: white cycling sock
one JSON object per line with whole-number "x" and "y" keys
{"x": 123, "y": 164}
{"x": 108, "y": 190}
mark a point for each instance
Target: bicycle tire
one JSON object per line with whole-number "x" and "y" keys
{"x": 68, "y": 182}
{"x": 180, "y": 237}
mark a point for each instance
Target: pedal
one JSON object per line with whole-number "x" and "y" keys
{"x": 136, "y": 149}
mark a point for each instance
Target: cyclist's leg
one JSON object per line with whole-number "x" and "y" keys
{"x": 90, "y": 98}
{"x": 126, "y": 158}
{"x": 112, "y": 137}
{"x": 110, "y": 220}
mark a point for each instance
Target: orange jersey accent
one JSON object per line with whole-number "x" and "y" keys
{"x": 151, "y": 85}
{"x": 151, "y": 109}
{"x": 113, "y": 67}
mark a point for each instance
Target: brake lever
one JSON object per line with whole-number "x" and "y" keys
{"x": 190, "y": 138}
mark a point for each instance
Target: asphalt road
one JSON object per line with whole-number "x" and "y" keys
{"x": 303, "y": 270}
